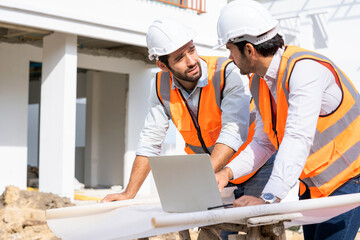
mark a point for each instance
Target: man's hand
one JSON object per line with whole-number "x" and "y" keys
{"x": 116, "y": 197}
{"x": 140, "y": 170}
{"x": 247, "y": 201}
{"x": 223, "y": 177}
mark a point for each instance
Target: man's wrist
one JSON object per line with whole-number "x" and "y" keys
{"x": 229, "y": 173}
{"x": 269, "y": 198}
{"x": 129, "y": 194}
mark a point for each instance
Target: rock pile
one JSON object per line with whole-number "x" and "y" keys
{"x": 22, "y": 213}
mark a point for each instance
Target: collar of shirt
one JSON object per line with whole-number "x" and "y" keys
{"x": 202, "y": 82}
{"x": 273, "y": 71}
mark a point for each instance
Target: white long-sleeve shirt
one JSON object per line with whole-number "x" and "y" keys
{"x": 234, "y": 116}
{"x": 313, "y": 92}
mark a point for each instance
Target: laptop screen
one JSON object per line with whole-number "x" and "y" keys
{"x": 185, "y": 183}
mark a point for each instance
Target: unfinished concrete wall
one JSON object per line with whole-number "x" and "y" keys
{"x": 14, "y": 87}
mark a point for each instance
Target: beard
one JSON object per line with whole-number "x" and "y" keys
{"x": 185, "y": 76}
{"x": 243, "y": 71}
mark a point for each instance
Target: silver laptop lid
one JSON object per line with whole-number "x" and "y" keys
{"x": 185, "y": 183}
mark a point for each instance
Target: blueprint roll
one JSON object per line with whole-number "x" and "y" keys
{"x": 136, "y": 219}
{"x": 96, "y": 208}
{"x": 313, "y": 211}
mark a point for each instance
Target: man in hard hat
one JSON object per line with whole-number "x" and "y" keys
{"x": 306, "y": 108}
{"x": 207, "y": 100}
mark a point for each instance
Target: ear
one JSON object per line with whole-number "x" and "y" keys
{"x": 249, "y": 50}
{"x": 162, "y": 66}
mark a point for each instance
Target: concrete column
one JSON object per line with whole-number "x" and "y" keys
{"x": 57, "y": 115}
{"x": 14, "y": 88}
{"x": 139, "y": 89}
{"x": 105, "y": 128}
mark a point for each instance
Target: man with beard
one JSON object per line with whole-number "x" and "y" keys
{"x": 307, "y": 109}
{"x": 206, "y": 99}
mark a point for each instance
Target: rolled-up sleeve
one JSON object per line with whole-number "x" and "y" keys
{"x": 235, "y": 110}
{"x": 155, "y": 127}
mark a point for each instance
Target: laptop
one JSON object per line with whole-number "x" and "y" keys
{"x": 187, "y": 183}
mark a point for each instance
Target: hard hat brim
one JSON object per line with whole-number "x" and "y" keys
{"x": 252, "y": 39}
{"x": 217, "y": 46}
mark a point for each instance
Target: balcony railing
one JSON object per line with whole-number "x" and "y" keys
{"x": 197, "y": 5}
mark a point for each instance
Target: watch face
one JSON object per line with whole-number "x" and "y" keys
{"x": 268, "y": 196}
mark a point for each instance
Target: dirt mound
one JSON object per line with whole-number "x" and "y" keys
{"x": 22, "y": 213}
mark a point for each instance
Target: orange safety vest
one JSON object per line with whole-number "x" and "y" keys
{"x": 200, "y": 133}
{"x": 334, "y": 157}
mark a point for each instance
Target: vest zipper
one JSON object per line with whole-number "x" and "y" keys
{"x": 273, "y": 119}
{"x": 196, "y": 124}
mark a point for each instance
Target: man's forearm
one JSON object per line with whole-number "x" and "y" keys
{"x": 220, "y": 156}
{"x": 139, "y": 172}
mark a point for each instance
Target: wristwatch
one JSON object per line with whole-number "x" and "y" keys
{"x": 268, "y": 198}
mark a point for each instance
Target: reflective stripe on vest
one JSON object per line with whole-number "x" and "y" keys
{"x": 334, "y": 156}
{"x": 338, "y": 166}
{"x": 255, "y": 88}
{"x": 209, "y": 117}
{"x": 163, "y": 88}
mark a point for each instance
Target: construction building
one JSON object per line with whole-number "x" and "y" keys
{"x": 75, "y": 79}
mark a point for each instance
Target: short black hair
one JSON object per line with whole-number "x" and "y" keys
{"x": 267, "y": 48}
{"x": 165, "y": 59}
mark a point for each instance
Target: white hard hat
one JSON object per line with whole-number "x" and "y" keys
{"x": 245, "y": 20}
{"x": 165, "y": 36}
